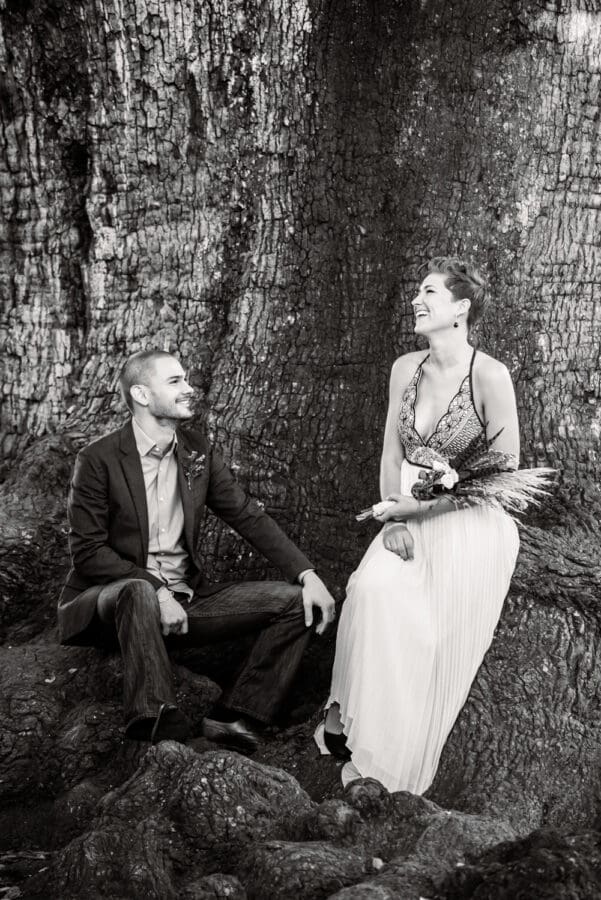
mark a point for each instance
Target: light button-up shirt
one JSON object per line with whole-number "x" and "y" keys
{"x": 168, "y": 557}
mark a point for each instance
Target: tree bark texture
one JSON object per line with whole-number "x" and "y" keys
{"x": 254, "y": 186}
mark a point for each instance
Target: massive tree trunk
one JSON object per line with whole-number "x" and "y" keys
{"x": 254, "y": 186}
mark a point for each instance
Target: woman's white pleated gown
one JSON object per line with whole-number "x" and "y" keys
{"x": 413, "y": 633}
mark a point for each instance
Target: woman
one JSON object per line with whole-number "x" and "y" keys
{"x": 422, "y": 607}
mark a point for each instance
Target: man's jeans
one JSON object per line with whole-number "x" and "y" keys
{"x": 271, "y": 609}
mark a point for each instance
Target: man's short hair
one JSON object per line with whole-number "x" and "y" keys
{"x": 135, "y": 371}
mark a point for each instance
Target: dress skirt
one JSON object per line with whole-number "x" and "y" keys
{"x": 412, "y": 636}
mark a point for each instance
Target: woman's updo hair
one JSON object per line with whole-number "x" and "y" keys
{"x": 463, "y": 281}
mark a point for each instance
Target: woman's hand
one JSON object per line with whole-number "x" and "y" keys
{"x": 397, "y": 538}
{"x": 402, "y": 508}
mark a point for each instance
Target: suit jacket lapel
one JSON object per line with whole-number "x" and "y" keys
{"x": 132, "y": 469}
{"x": 187, "y": 491}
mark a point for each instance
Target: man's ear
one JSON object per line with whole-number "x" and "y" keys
{"x": 139, "y": 394}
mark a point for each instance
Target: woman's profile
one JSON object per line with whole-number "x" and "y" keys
{"x": 422, "y": 606}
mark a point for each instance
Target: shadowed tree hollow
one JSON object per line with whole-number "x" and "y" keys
{"x": 253, "y": 186}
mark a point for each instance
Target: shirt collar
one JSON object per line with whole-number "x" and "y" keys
{"x": 146, "y": 445}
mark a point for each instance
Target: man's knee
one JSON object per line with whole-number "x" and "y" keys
{"x": 122, "y": 591}
{"x": 292, "y": 598}
{"x": 281, "y": 598}
{"x": 138, "y": 595}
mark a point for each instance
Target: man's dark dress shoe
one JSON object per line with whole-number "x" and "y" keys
{"x": 239, "y": 735}
{"x": 169, "y": 725}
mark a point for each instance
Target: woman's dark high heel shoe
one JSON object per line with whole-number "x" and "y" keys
{"x": 336, "y": 743}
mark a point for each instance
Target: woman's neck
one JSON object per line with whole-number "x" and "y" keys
{"x": 448, "y": 352}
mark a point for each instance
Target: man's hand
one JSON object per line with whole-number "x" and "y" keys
{"x": 397, "y": 538}
{"x": 315, "y": 593}
{"x": 174, "y": 619}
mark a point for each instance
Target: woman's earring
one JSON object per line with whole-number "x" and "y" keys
{"x": 455, "y": 324}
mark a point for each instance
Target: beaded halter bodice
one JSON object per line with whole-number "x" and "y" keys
{"x": 454, "y": 431}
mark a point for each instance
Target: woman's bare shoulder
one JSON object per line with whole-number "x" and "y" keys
{"x": 490, "y": 372}
{"x": 408, "y": 363}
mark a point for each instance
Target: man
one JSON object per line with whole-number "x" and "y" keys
{"x": 135, "y": 507}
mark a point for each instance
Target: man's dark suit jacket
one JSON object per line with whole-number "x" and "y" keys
{"x": 108, "y": 521}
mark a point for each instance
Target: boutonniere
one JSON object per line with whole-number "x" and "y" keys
{"x": 193, "y": 466}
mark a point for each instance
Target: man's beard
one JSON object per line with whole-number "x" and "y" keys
{"x": 173, "y": 412}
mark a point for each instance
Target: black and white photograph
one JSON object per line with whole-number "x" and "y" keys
{"x": 300, "y": 421}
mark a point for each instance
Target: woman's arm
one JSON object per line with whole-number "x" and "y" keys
{"x": 396, "y": 536}
{"x": 392, "y": 449}
{"x": 495, "y": 396}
